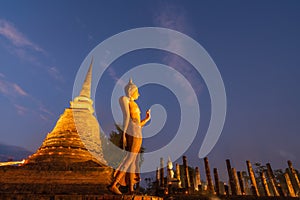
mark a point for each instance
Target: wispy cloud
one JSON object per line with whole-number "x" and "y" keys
{"x": 44, "y": 110}
{"x": 25, "y": 49}
{"x": 287, "y": 155}
{"x": 20, "y": 46}
{"x": 55, "y": 73}
{"x": 43, "y": 117}
{"x": 10, "y": 32}
{"x": 24, "y": 55}
{"x": 21, "y": 110}
{"x": 90, "y": 37}
{"x": 44, "y": 113}
{"x": 10, "y": 89}
{"x": 112, "y": 73}
{"x": 174, "y": 17}
{"x": 18, "y": 95}
{"x": 19, "y": 90}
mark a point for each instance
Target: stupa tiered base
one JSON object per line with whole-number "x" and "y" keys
{"x": 69, "y": 161}
{"x": 81, "y": 178}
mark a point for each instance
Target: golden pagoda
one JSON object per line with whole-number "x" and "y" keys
{"x": 76, "y": 135}
{"x": 70, "y": 159}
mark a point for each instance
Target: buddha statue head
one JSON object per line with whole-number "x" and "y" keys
{"x": 131, "y": 90}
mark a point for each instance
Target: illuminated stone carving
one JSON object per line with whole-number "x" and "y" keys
{"x": 128, "y": 171}
{"x": 69, "y": 161}
{"x": 76, "y": 135}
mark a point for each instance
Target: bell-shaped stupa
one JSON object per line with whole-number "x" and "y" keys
{"x": 76, "y": 135}
{"x": 70, "y": 159}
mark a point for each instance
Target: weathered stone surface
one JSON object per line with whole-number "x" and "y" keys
{"x": 69, "y": 161}
{"x": 76, "y": 135}
{"x": 64, "y": 145}
{"x": 92, "y": 175}
{"x": 210, "y": 186}
{"x": 77, "y": 197}
{"x": 252, "y": 179}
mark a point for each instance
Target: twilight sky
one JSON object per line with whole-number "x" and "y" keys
{"x": 255, "y": 45}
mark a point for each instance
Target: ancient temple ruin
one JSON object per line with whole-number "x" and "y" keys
{"x": 70, "y": 159}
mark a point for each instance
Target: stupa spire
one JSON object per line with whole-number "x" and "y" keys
{"x": 76, "y": 129}
{"x": 84, "y": 101}
{"x": 86, "y": 87}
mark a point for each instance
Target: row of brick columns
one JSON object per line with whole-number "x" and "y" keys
{"x": 237, "y": 183}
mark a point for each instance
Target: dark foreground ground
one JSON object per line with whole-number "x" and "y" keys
{"x": 131, "y": 197}
{"x": 202, "y": 197}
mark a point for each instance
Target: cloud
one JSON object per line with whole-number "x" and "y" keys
{"x": 23, "y": 48}
{"x": 43, "y": 117}
{"x": 112, "y": 73}
{"x": 54, "y": 72}
{"x": 10, "y": 32}
{"x": 45, "y": 110}
{"x": 24, "y": 55}
{"x": 174, "y": 17}
{"x": 90, "y": 37}
{"x": 21, "y": 110}
{"x": 15, "y": 93}
{"x": 287, "y": 155}
{"x": 10, "y": 89}
{"x": 19, "y": 90}
{"x": 44, "y": 113}
{"x": 20, "y": 46}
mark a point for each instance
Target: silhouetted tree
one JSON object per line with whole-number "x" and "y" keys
{"x": 258, "y": 169}
{"x": 112, "y": 145}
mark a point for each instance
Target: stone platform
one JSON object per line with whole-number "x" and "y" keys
{"x": 76, "y": 197}
{"x": 34, "y": 180}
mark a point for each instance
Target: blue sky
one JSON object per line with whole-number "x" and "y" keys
{"x": 255, "y": 45}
